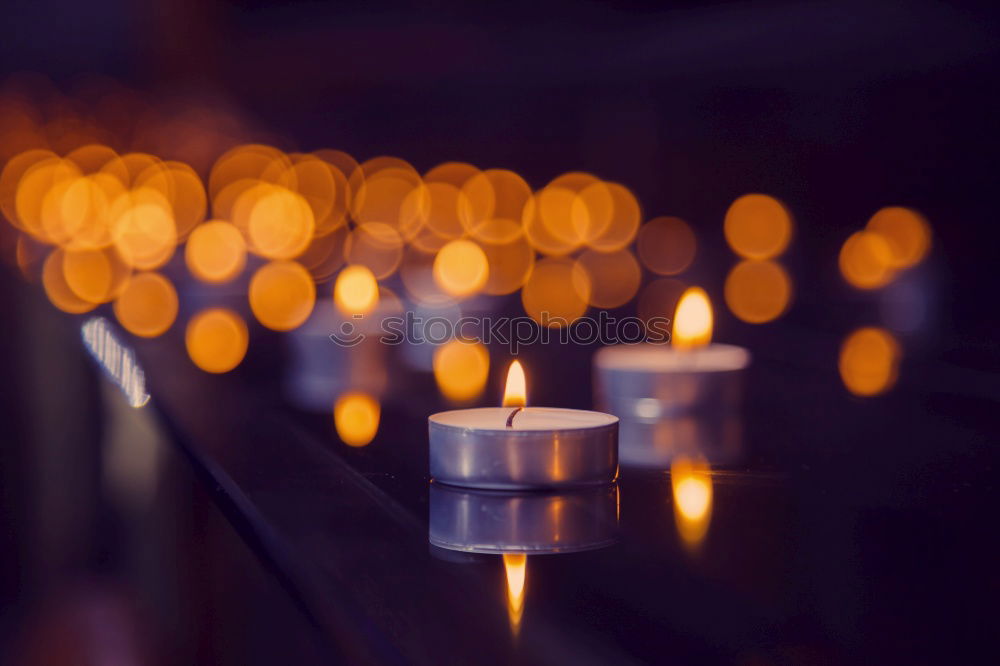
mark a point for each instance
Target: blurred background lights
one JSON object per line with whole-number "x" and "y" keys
{"x": 282, "y": 295}
{"x": 557, "y": 293}
{"x": 461, "y": 268}
{"x": 215, "y": 252}
{"x": 866, "y": 260}
{"x": 355, "y": 291}
{"x": 147, "y": 307}
{"x": 356, "y": 418}
{"x": 666, "y": 245}
{"x": 758, "y": 291}
{"x": 758, "y": 226}
{"x": 216, "y": 340}
{"x": 614, "y": 277}
{"x": 869, "y": 361}
{"x": 460, "y": 369}
{"x": 907, "y": 233}
{"x": 376, "y": 245}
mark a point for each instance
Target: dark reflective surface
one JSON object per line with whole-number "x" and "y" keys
{"x": 850, "y": 527}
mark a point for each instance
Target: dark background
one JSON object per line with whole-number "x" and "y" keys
{"x": 836, "y": 108}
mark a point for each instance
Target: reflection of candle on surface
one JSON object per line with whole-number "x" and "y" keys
{"x": 691, "y": 483}
{"x": 651, "y": 381}
{"x": 516, "y": 446}
{"x": 356, "y": 417}
{"x": 515, "y": 567}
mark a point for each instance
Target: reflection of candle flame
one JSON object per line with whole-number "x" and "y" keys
{"x": 356, "y": 417}
{"x": 515, "y": 566}
{"x": 692, "y": 490}
{"x": 693, "y": 320}
{"x": 516, "y": 392}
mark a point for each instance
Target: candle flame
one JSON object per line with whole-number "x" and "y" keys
{"x": 691, "y": 482}
{"x": 516, "y": 392}
{"x": 693, "y": 320}
{"x": 515, "y": 566}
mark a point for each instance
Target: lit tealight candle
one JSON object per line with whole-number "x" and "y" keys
{"x": 515, "y": 446}
{"x": 648, "y": 381}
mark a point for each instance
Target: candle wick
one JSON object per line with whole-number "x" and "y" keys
{"x": 510, "y": 419}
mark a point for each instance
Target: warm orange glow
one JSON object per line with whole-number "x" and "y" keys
{"x": 869, "y": 361}
{"x": 143, "y": 229}
{"x": 515, "y": 393}
{"x": 691, "y": 483}
{"x": 692, "y": 320}
{"x": 356, "y": 417}
{"x": 557, "y": 292}
{"x": 384, "y": 197}
{"x": 147, "y": 307}
{"x": 666, "y": 245}
{"x": 906, "y": 231}
{"x": 614, "y": 277}
{"x": 356, "y": 290}
{"x": 96, "y": 276}
{"x": 758, "y": 226}
{"x": 59, "y": 293}
{"x": 215, "y": 252}
{"x": 282, "y": 295}
{"x": 377, "y": 246}
{"x": 460, "y": 268}
{"x": 216, "y": 340}
{"x": 515, "y": 567}
{"x": 621, "y": 229}
{"x": 494, "y": 193}
{"x": 866, "y": 260}
{"x": 461, "y": 369}
{"x": 510, "y": 261}
{"x": 758, "y": 291}
{"x": 279, "y": 223}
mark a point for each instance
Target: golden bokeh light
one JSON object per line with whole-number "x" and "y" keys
{"x": 758, "y": 291}
{"x": 279, "y": 222}
{"x": 282, "y": 295}
{"x": 96, "y": 276}
{"x": 758, "y": 226}
{"x": 614, "y": 277}
{"x": 455, "y": 174}
{"x": 147, "y": 307}
{"x": 215, "y": 252}
{"x": 557, "y": 293}
{"x": 56, "y": 288}
{"x": 356, "y": 291}
{"x": 692, "y": 320}
{"x": 666, "y": 245}
{"x": 691, "y": 483}
{"x": 460, "y": 369}
{"x": 623, "y": 225}
{"x": 143, "y": 229}
{"x": 869, "y": 361}
{"x": 216, "y": 340}
{"x": 515, "y": 391}
{"x": 515, "y": 567}
{"x": 386, "y": 197}
{"x": 356, "y": 417}
{"x": 510, "y": 261}
{"x": 182, "y": 187}
{"x": 907, "y": 233}
{"x": 494, "y": 193}
{"x": 251, "y": 161}
{"x": 461, "y": 268}
{"x": 866, "y": 260}
{"x": 377, "y": 246}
